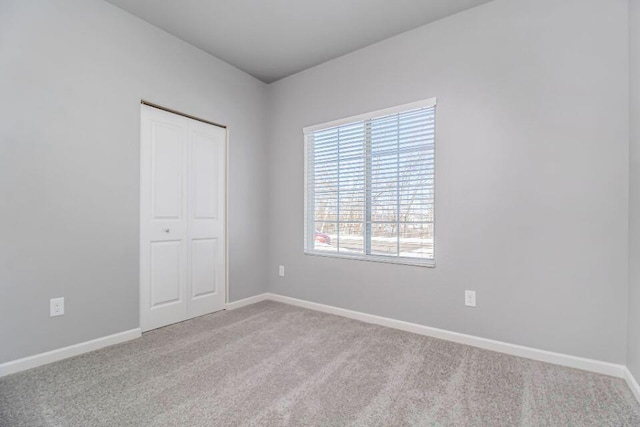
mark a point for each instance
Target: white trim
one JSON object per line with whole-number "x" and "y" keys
{"x": 585, "y": 364}
{"x": 29, "y": 362}
{"x": 226, "y": 217}
{"x": 632, "y": 383}
{"x": 416, "y": 262}
{"x": 591, "y": 365}
{"x": 246, "y": 301}
{"x": 425, "y": 103}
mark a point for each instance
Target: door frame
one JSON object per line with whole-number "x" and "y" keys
{"x": 226, "y": 197}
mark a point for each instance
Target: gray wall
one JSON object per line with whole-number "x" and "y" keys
{"x": 532, "y": 174}
{"x": 72, "y": 76}
{"x": 633, "y": 355}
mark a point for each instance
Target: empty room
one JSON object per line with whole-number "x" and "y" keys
{"x": 319, "y": 213}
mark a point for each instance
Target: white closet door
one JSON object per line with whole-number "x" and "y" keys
{"x": 182, "y": 240}
{"x": 206, "y": 219}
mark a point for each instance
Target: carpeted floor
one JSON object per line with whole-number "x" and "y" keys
{"x": 274, "y": 364}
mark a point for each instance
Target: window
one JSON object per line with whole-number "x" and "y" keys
{"x": 369, "y": 190}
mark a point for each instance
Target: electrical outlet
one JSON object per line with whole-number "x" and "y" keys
{"x": 281, "y": 271}
{"x": 470, "y": 298}
{"x": 56, "y": 307}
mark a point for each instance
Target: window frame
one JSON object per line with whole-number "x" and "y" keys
{"x": 309, "y": 224}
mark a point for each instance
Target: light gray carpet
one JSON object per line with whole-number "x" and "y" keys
{"x": 274, "y": 364}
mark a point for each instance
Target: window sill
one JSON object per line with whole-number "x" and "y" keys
{"x": 373, "y": 258}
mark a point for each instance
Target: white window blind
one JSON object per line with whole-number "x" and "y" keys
{"x": 370, "y": 186}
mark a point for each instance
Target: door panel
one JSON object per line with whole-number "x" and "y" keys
{"x": 182, "y": 229}
{"x": 203, "y": 270}
{"x": 166, "y": 276}
{"x": 205, "y": 178}
{"x": 167, "y": 166}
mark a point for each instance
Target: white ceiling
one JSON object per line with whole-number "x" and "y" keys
{"x": 272, "y": 39}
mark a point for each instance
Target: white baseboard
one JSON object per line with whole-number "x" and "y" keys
{"x": 632, "y": 383}
{"x": 592, "y": 365}
{"x": 23, "y": 364}
{"x": 29, "y": 362}
{"x": 585, "y": 364}
{"x": 246, "y": 301}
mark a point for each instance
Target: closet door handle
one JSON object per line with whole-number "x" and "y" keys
{"x": 167, "y": 230}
